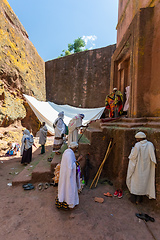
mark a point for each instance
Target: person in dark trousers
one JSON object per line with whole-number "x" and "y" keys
{"x": 43, "y": 137}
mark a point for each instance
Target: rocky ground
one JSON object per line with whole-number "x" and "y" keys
{"x": 32, "y": 215}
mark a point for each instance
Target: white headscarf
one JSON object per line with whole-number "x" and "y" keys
{"x": 61, "y": 115}
{"x": 27, "y": 141}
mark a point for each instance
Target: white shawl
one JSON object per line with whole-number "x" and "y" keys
{"x": 141, "y": 169}
{"x": 69, "y": 182}
{"x": 59, "y": 127}
{"x": 43, "y": 135}
{"x": 27, "y": 141}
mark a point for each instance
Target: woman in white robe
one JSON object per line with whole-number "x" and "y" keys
{"x": 59, "y": 128}
{"x": 69, "y": 180}
{"x": 26, "y": 147}
{"x": 141, "y": 169}
{"x": 73, "y": 126}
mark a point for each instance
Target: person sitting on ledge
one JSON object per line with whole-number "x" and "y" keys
{"x": 113, "y": 102}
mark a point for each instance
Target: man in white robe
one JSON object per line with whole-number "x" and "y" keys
{"x": 43, "y": 137}
{"x": 141, "y": 169}
{"x": 69, "y": 180}
{"x": 73, "y": 127}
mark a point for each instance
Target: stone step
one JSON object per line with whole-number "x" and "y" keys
{"x": 37, "y": 170}
{"x": 42, "y": 172}
{"x": 56, "y": 159}
{"x": 22, "y": 178}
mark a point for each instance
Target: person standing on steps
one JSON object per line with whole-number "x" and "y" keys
{"x": 73, "y": 127}
{"x": 43, "y": 137}
{"x": 59, "y": 128}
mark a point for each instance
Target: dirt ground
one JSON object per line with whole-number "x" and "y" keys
{"x": 32, "y": 215}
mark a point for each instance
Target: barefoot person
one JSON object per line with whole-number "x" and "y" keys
{"x": 69, "y": 179}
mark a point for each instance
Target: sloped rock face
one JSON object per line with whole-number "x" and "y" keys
{"x": 22, "y": 71}
{"x": 21, "y": 68}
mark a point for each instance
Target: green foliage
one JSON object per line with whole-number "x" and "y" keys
{"x": 76, "y": 47}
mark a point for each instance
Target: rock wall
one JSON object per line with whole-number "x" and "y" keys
{"x": 21, "y": 68}
{"x": 127, "y": 9}
{"x": 81, "y": 79}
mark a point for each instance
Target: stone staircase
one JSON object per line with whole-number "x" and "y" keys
{"x": 40, "y": 169}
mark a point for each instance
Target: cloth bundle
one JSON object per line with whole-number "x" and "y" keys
{"x": 56, "y": 173}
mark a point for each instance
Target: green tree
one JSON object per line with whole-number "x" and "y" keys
{"x": 77, "y": 46}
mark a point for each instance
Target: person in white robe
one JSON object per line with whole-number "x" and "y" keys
{"x": 141, "y": 169}
{"x": 73, "y": 127}
{"x": 126, "y": 105}
{"x": 69, "y": 179}
{"x": 59, "y": 128}
{"x": 26, "y": 147}
{"x": 43, "y": 137}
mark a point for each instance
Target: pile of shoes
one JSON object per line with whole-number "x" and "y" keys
{"x": 145, "y": 217}
{"x": 28, "y": 186}
{"x": 42, "y": 186}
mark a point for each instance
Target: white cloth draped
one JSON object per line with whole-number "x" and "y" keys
{"x": 69, "y": 182}
{"x": 126, "y": 105}
{"x": 47, "y": 112}
{"x": 141, "y": 170}
{"x": 43, "y": 135}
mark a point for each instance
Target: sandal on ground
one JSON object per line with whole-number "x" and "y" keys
{"x": 40, "y": 186}
{"x": 27, "y": 185}
{"x": 107, "y": 194}
{"x": 145, "y": 217}
{"x": 46, "y": 185}
{"x": 29, "y": 188}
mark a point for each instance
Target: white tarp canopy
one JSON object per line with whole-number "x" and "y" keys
{"x": 48, "y": 111}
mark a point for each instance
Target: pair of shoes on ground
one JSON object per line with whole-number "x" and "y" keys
{"x": 28, "y": 186}
{"x": 42, "y": 186}
{"x": 145, "y": 217}
{"x": 118, "y": 193}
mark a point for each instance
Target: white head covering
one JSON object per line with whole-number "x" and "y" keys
{"x": 140, "y": 135}
{"x": 115, "y": 89}
{"x": 73, "y": 144}
{"x": 61, "y": 115}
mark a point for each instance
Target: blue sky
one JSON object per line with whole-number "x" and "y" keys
{"x": 52, "y": 24}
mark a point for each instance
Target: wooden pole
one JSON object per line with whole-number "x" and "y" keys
{"x": 101, "y": 164}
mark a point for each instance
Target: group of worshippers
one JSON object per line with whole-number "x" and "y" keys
{"x": 114, "y": 103}
{"x": 140, "y": 178}
{"x": 60, "y": 130}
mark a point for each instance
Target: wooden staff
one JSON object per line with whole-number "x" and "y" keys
{"x": 97, "y": 174}
{"x": 102, "y": 166}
